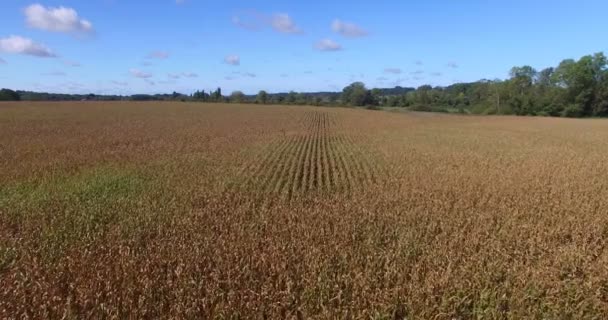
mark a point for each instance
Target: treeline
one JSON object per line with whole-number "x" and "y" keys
{"x": 574, "y": 88}
{"x": 296, "y": 98}
{"x": 10, "y": 95}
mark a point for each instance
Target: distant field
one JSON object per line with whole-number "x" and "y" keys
{"x": 159, "y": 210}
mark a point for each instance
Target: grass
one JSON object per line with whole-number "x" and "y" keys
{"x": 178, "y": 210}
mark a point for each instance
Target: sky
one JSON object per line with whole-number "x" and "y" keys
{"x": 160, "y": 46}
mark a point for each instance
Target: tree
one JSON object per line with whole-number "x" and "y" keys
{"x": 301, "y": 99}
{"x": 583, "y": 81}
{"x": 291, "y": 98}
{"x": 9, "y": 95}
{"x": 237, "y": 97}
{"x": 217, "y": 95}
{"x": 545, "y": 77}
{"x": 200, "y": 95}
{"x": 375, "y": 98}
{"x": 262, "y": 97}
{"x": 356, "y": 95}
{"x": 423, "y": 95}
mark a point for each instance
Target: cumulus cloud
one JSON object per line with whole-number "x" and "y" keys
{"x": 140, "y": 74}
{"x": 393, "y": 70}
{"x": 328, "y": 45}
{"x": 452, "y": 65}
{"x": 20, "y": 45}
{"x": 232, "y": 59}
{"x": 283, "y": 23}
{"x": 158, "y": 55}
{"x": 348, "y": 29}
{"x": 59, "y": 19}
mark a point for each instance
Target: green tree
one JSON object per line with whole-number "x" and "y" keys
{"x": 9, "y": 95}
{"x": 423, "y": 95}
{"x": 291, "y": 98}
{"x": 237, "y": 97}
{"x": 356, "y": 95}
{"x": 262, "y": 97}
{"x": 583, "y": 81}
{"x": 217, "y": 95}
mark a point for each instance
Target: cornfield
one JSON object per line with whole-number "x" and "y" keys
{"x": 203, "y": 211}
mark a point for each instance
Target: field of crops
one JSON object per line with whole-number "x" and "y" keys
{"x": 179, "y": 210}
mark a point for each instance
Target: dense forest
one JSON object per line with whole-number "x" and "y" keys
{"x": 574, "y": 88}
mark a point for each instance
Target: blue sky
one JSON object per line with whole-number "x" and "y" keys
{"x": 129, "y": 46}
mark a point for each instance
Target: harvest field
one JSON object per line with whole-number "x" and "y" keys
{"x": 187, "y": 210}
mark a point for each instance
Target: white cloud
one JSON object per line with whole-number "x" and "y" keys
{"x": 328, "y": 45}
{"x": 436, "y": 74}
{"x": 348, "y": 29}
{"x": 281, "y": 22}
{"x": 393, "y": 70}
{"x": 59, "y": 19}
{"x": 189, "y": 75}
{"x": 232, "y": 60}
{"x": 174, "y": 75}
{"x": 452, "y": 65}
{"x": 249, "y": 74}
{"x": 20, "y": 45}
{"x": 417, "y": 72}
{"x": 418, "y": 62}
{"x": 140, "y": 74}
{"x": 158, "y": 55}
